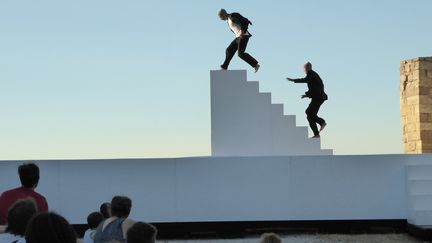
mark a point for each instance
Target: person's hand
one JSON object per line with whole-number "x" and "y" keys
{"x": 290, "y": 79}
{"x": 304, "y": 96}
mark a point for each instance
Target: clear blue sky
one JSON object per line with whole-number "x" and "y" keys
{"x": 109, "y": 79}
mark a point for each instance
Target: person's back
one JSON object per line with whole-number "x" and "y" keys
{"x": 19, "y": 215}
{"x": 142, "y": 232}
{"x": 93, "y": 220}
{"x": 29, "y": 176}
{"x": 50, "y": 228}
{"x": 110, "y": 229}
{"x": 315, "y": 85}
{"x": 116, "y": 227}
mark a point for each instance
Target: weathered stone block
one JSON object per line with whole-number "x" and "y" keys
{"x": 416, "y": 104}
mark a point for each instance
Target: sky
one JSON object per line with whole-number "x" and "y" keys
{"x": 130, "y": 79}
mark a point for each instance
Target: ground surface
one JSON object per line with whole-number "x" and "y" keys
{"x": 319, "y": 238}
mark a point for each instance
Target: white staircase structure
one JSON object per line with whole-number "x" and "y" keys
{"x": 419, "y": 192}
{"x": 244, "y": 122}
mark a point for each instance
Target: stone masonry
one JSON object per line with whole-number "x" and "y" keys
{"x": 416, "y": 104}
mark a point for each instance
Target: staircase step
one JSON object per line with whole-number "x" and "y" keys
{"x": 421, "y": 202}
{"x": 421, "y": 218}
{"x": 419, "y": 172}
{"x": 278, "y": 109}
{"x": 291, "y": 119}
{"x": 245, "y": 122}
{"x": 254, "y": 85}
{"x": 420, "y": 187}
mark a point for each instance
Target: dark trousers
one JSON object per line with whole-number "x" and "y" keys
{"x": 312, "y": 115}
{"x": 239, "y": 44}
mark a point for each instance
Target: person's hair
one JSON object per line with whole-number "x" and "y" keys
{"x": 94, "y": 219}
{"x": 29, "y": 175}
{"x": 141, "y": 232}
{"x": 50, "y": 228}
{"x": 19, "y": 215}
{"x": 121, "y": 206}
{"x": 308, "y": 65}
{"x": 270, "y": 238}
{"x": 222, "y": 13}
{"x": 105, "y": 209}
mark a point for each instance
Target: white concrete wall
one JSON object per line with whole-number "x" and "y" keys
{"x": 244, "y": 122}
{"x": 228, "y": 188}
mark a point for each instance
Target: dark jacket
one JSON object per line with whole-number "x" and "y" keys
{"x": 242, "y": 21}
{"x": 315, "y": 85}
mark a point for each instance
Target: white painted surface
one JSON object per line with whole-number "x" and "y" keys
{"x": 419, "y": 191}
{"x": 244, "y": 122}
{"x": 228, "y": 188}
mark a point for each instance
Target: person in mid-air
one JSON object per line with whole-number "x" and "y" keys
{"x": 317, "y": 95}
{"x": 239, "y": 26}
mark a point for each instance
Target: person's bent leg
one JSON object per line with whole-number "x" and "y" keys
{"x": 312, "y": 122}
{"x": 243, "y": 54}
{"x": 312, "y": 116}
{"x": 229, "y": 53}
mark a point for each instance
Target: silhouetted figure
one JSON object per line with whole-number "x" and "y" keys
{"x": 105, "y": 209}
{"x": 50, "y": 228}
{"x": 239, "y": 26}
{"x": 142, "y": 232}
{"x": 29, "y": 177}
{"x": 316, "y": 94}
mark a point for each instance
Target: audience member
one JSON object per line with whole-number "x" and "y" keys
{"x": 93, "y": 221}
{"x": 105, "y": 209}
{"x": 50, "y": 228}
{"x": 142, "y": 233}
{"x": 19, "y": 214}
{"x": 29, "y": 176}
{"x": 270, "y": 238}
{"x": 116, "y": 227}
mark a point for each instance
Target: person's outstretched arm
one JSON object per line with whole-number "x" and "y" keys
{"x": 306, "y": 79}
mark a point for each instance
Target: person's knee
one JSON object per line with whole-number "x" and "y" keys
{"x": 241, "y": 54}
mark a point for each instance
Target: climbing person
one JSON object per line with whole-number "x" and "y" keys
{"x": 239, "y": 26}
{"x": 317, "y": 95}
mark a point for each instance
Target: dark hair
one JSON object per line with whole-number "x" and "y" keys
{"x": 94, "y": 219}
{"x": 141, "y": 232}
{"x": 105, "y": 209}
{"x": 29, "y": 175}
{"x": 50, "y": 228}
{"x": 18, "y": 216}
{"x": 121, "y": 206}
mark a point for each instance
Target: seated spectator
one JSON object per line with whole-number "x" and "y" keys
{"x": 50, "y": 228}
{"x": 29, "y": 176}
{"x": 105, "y": 209}
{"x": 270, "y": 238}
{"x": 18, "y": 216}
{"x": 142, "y": 233}
{"x": 93, "y": 221}
{"x": 115, "y": 227}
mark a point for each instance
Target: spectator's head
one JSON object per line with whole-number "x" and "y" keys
{"x": 223, "y": 15}
{"x": 307, "y": 67}
{"x": 29, "y": 175}
{"x": 121, "y": 206}
{"x": 19, "y": 214}
{"x": 50, "y": 228}
{"x": 270, "y": 238}
{"x": 141, "y": 233}
{"x": 94, "y": 219}
{"x": 105, "y": 209}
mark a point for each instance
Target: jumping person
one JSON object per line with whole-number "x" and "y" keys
{"x": 239, "y": 26}
{"x": 316, "y": 94}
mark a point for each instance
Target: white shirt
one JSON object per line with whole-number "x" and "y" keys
{"x": 8, "y": 238}
{"x": 236, "y": 28}
{"x": 89, "y": 236}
